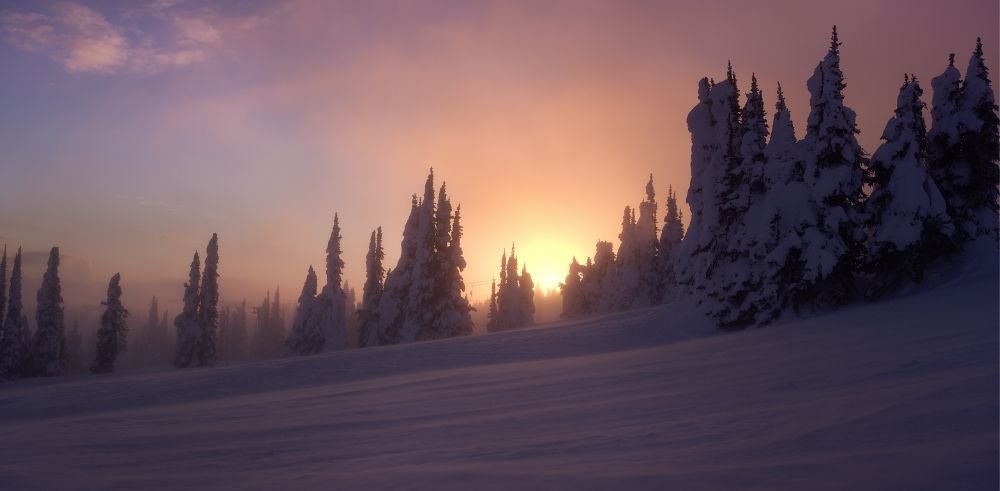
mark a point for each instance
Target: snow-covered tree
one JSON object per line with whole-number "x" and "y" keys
{"x": 49, "y": 344}
{"x": 454, "y": 311}
{"x": 906, "y": 214}
{"x": 420, "y": 302}
{"x": 788, "y": 217}
{"x": 14, "y": 343}
{"x": 739, "y": 249}
{"x": 306, "y": 336}
{"x": 622, "y": 283}
{"x": 513, "y": 304}
{"x": 188, "y": 328}
{"x": 964, "y": 145}
{"x": 3, "y": 287}
{"x": 332, "y": 302}
{"x": 372, "y": 293}
{"x": 646, "y": 246}
{"x": 424, "y": 296}
{"x": 395, "y": 296}
{"x": 707, "y": 123}
{"x": 670, "y": 242}
{"x": 834, "y": 166}
{"x": 572, "y": 291}
{"x": 113, "y": 327}
{"x": 491, "y": 316}
{"x": 526, "y": 287}
{"x": 208, "y": 306}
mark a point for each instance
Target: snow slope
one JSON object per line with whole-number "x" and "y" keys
{"x": 896, "y": 395}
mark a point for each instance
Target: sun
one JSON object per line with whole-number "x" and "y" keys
{"x": 547, "y": 261}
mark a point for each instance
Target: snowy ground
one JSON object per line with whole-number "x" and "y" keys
{"x": 896, "y": 395}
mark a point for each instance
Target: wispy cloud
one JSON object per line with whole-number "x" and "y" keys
{"x": 149, "y": 40}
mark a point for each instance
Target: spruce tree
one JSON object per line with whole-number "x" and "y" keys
{"x": 208, "y": 306}
{"x": 306, "y": 336}
{"x": 332, "y": 302}
{"x": 3, "y": 288}
{"x": 113, "y": 327}
{"x": 491, "y": 316}
{"x": 980, "y": 142}
{"x": 647, "y": 246}
{"x": 572, "y": 291}
{"x": 14, "y": 344}
{"x": 834, "y": 165}
{"x": 456, "y": 317}
{"x": 372, "y": 293}
{"x": 49, "y": 344}
{"x": 526, "y": 289}
{"x": 189, "y": 333}
{"x": 905, "y": 212}
{"x": 395, "y": 297}
{"x": 667, "y": 251}
{"x": 420, "y": 301}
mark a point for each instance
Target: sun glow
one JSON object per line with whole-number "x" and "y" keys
{"x": 547, "y": 261}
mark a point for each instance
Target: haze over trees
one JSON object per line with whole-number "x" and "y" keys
{"x": 513, "y": 303}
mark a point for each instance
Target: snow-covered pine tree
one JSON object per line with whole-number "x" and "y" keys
{"x": 306, "y": 337}
{"x": 420, "y": 305}
{"x": 14, "y": 343}
{"x": 670, "y": 241}
{"x": 647, "y": 246}
{"x": 709, "y": 138}
{"x": 526, "y": 291}
{"x": 332, "y": 303}
{"x": 188, "y": 328}
{"x": 501, "y": 322}
{"x": 598, "y": 276}
{"x": 424, "y": 296}
{"x": 455, "y": 318}
{"x": 113, "y": 327}
{"x": 980, "y": 142}
{"x": 513, "y": 305}
{"x": 395, "y": 296}
{"x": 622, "y": 283}
{"x": 834, "y": 166}
{"x": 372, "y": 293}
{"x": 906, "y": 214}
{"x": 792, "y": 219}
{"x": 208, "y": 307}
{"x": 49, "y": 344}
{"x": 3, "y": 288}
{"x": 945, "y": 159}
{"x": 741, "y": 247}
{"x": 491, "y": 316}
{"x": 572, "y": 291}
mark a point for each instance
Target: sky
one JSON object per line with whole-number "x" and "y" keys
{"x": 131, "y": 131}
